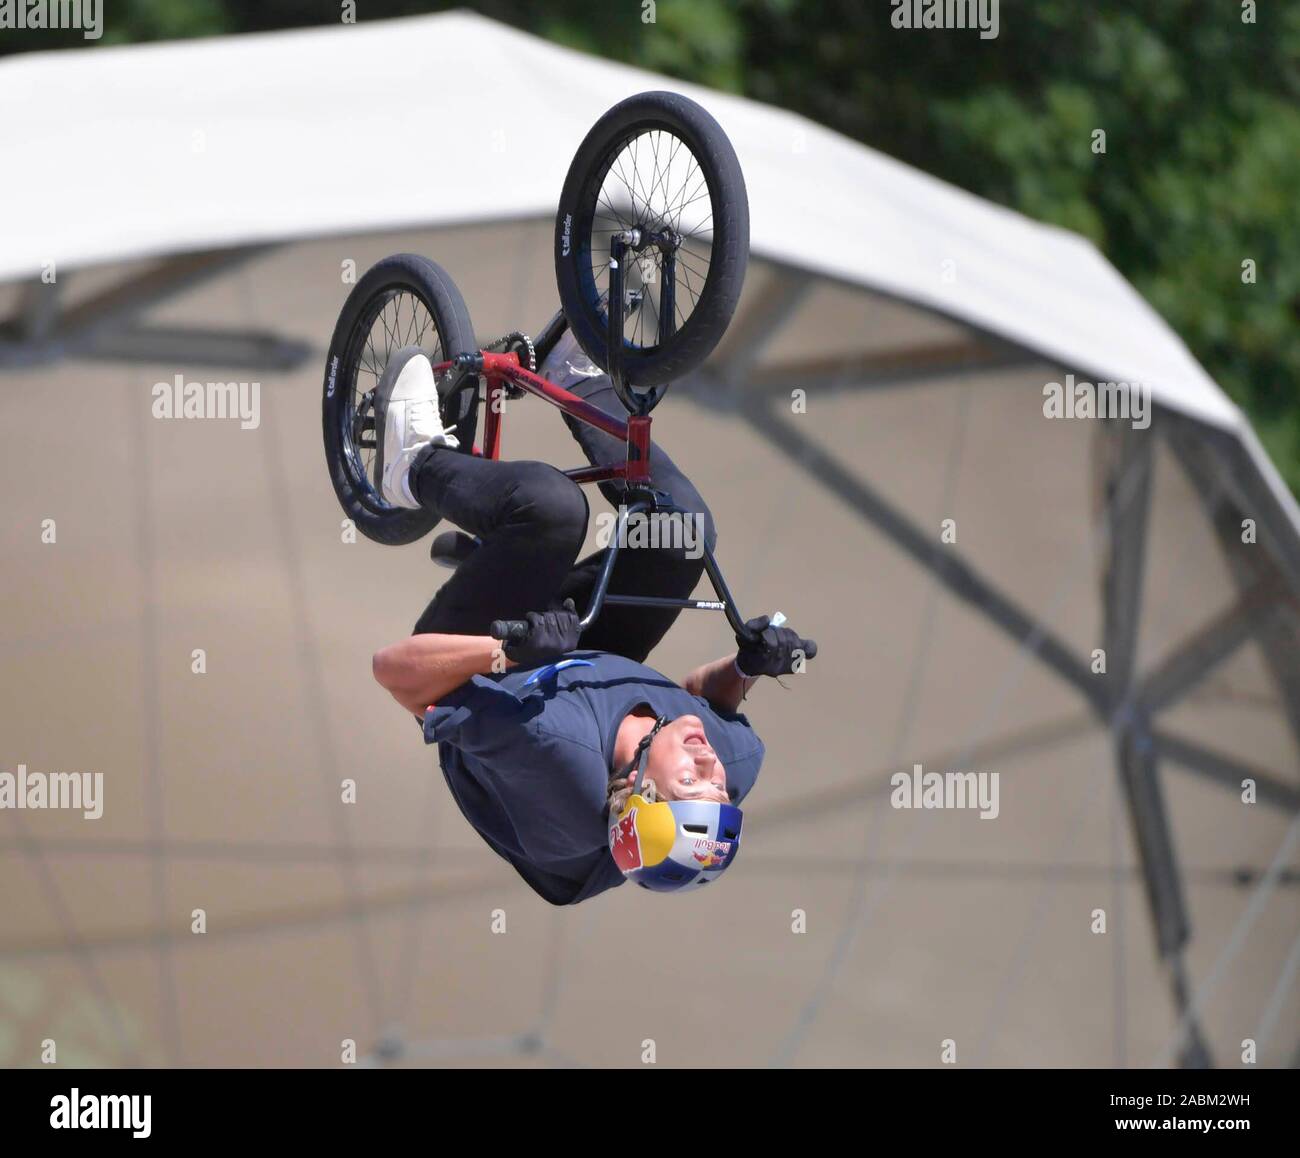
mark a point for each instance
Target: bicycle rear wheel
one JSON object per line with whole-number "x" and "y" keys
{"x": 660, "y": 167}
{"x": 401, "y": 301}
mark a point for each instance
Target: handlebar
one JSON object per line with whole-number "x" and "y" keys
{"x": 776, "y": 619}
{"x": 509, "y": 630}
{"x": 516, "y": 630}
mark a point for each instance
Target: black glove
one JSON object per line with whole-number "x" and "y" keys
{"x": 773, "y": 652}
{"x": 550, "y": 635}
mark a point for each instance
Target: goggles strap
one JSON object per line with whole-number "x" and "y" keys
{"x": 641, "y": 757}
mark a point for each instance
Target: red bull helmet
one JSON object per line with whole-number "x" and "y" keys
{"x": 670, "y": 845}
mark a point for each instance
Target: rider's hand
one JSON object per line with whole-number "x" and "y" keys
{"x": 775, "y": 652}
{"x": 550, "y": 635}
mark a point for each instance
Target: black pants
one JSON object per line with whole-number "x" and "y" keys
{"x": 532, "y": 520}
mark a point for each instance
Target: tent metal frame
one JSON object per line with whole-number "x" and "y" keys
{"x": 1267, "y": 577}
{"x": 106, "y": 325}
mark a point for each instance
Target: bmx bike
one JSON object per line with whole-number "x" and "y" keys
{"x": 651, "y": 247}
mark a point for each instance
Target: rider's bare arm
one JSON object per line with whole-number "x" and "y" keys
{"x": 719, "y": 683}
{"x": 420, "y": 670}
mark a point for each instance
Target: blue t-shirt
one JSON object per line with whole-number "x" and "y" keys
{"x": 529, "y": 766}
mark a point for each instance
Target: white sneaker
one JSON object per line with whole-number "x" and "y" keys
{"x": 411, "y": 421}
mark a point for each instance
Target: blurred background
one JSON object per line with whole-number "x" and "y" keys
{"x": 1205, "y": 112}
{"x": 854, "y": 933}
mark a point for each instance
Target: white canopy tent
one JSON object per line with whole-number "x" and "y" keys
{"x": 146, "y": 171}
{"x": 264, "y": 139}
{"x": 222, "y": 144}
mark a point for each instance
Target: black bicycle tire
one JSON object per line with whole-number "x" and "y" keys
{"x": 692, "y": 344}
{"x": 393, "y": 526}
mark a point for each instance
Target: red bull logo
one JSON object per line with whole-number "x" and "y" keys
{"x": 625, "y": 844}
{"x": 711, "y": 853}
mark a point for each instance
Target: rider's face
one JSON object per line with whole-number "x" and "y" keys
{"x": 684, "y": 766}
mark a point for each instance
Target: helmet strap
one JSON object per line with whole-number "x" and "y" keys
{"x": 641, "y": 757}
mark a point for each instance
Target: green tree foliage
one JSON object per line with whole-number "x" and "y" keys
{"x": 1199, "y": 101}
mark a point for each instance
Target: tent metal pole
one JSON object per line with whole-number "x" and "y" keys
{"x": 38, "y": 309}
{"x": 102, "y": 325}
{"x": 755, "y": 329}
{"x": 888, "y": 368}
{"x": 1189, "y": 663}
{"x": 1265, "y": 507}
{"x": 1130, "y": 463}
{"x": 200, "y": 346}
{"x": 1250, "y": 565}
{"x": 1225, "y": 770}
{"x": 121, "y": 302}
{"x": 961, "y": 579}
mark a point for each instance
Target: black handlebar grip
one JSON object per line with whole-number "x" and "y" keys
{"x": 510, "y": 630}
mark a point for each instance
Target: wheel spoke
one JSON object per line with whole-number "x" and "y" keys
{"x": 654, "y": 181}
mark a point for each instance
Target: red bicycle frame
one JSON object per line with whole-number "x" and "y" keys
{"x": 501, "y": 371}
{"x": 504, "y": 370}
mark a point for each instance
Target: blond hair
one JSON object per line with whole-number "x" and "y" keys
{"x": 620, "y": 792}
